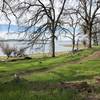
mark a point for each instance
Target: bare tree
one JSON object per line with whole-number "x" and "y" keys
{"x": 88, "y": 11}
{"x": 38, "y": 18}
{"x": 71, "y": 28}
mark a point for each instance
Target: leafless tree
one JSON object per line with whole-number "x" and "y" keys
{"x": 71, "y": 28}
{"x": 88, "y": 11}
{"x": 39, "y": 19}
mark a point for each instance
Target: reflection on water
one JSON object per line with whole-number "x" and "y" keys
{"x": 37, "y": 48}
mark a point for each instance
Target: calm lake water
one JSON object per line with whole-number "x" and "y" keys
{"x": 61, "y": 46}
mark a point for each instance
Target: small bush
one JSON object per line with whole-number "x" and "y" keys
{"x": 7, "y": 50}
{"x": 12, "y": 51}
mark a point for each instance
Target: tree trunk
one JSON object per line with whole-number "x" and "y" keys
{"x": 53, "y": 45}
{"x": 89, "y": 46}
{"x": 90, "y": 37}
{"x": 73, "y": 47}
{"x": 95, "y": 39}
{"x": 77, "y": 44}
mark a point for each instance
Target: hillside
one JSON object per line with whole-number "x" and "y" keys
{"x": 65, "y": 77}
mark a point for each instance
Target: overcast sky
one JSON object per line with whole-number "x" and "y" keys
{"x": 4, "y": 22}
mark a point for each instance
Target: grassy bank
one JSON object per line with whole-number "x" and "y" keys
{"x": 40, "y": 76}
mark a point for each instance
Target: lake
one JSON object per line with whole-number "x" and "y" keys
{"x": 61, "y": 46}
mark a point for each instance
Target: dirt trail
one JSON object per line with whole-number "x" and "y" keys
{"x": 94, "y": 56}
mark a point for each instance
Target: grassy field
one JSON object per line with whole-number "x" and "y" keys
{"x": 39, "y": 77}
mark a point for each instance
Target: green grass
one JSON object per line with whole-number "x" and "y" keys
{"x": 40, "y": 75}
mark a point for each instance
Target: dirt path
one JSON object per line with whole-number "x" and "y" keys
{"x": 94, "y": 56}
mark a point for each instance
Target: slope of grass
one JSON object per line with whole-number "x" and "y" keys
{"x": 40, "y": 75}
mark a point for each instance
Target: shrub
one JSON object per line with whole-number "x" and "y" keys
{"x": 7, "y": 50}
{"x": 12, "y": 51}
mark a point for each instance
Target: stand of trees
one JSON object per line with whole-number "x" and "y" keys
{"x": 88, "y": 10}
{"x": 42, "y": 19}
